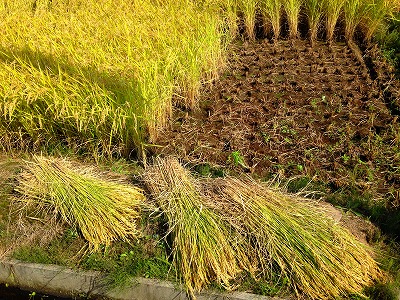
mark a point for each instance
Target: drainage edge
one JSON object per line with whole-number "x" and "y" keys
{"x": 66, "y": 282}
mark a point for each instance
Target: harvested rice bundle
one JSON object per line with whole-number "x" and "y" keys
{"x": 204, "y": 247}
{"x": 103, "y": 211}
{"x": 321, "y": 259}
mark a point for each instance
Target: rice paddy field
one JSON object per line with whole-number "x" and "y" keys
{"x": 201, "y": 141}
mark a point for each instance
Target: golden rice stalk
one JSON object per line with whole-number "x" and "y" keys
{"x": 292, "y": 9}
{"x": 354, "y": 11}
{"x": 321, "y": 259}
{"x": 230, "y": 8}
{"x": 204, "y": 247}
{"x": 249, "y": 9}
{"x": 103, "y": 211}
{"x": 272, "y": 13}
{"x": 314, "y": 12}
{"x": 333, "y": 9}
{"x": 375, "y": 14}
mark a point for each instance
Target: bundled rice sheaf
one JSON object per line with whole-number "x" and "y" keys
{"x": 321, "y": 259}
{"x": 273, "y": 233}
{"x": 103, "y": 211}
{"x": 205, "y": 248}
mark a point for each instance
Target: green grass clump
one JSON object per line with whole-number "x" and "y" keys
{"x": 390, "y": 42}
{"x": 103, "y": 211}
{"x": 122, "y": 262}
{"x": 321, "y": 259}
{"x": 204, "y": 248}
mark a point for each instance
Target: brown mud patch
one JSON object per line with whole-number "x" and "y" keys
{"x": 361, "y": 228}
{"x": 292, "y": 109}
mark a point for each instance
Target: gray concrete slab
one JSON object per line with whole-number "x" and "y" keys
{"x": 65, "y": 282}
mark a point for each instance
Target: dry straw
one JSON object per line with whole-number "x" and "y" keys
{"x": 204, "y": 247}
{"x": 321, "y": 259}
{"x": 222, "y": 226}
{"x": 103, "y": 211}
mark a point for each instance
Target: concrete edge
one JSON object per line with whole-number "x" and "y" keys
{"x": 66, "y": 282}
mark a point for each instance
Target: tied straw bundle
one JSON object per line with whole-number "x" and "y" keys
{"x": 222, "y": 226}
{"x": 204, "y": 246}
{"x": 295, "y": 237}
{"x": 103, "y": 211}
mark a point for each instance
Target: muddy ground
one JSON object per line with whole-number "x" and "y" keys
{"x": 290, "y": 109}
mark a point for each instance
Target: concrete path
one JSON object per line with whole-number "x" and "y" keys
{"x": 65, "y": 282}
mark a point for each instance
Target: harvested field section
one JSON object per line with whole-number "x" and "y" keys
{"x": 295, "y": 110}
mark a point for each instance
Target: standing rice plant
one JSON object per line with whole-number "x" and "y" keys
{"x": 249, "y": 9}
{"x": 103, "y": 211}
{"x": 272, "y": 13}
{"x": 333, "y": 9}
{"x": 314, "y": 12}
{"x": 321, "y": 259}
{"x": 229, "y": 9}
{"x": 118, "y": 58}
{"x": 204, "y": 247}
{"x": 353, "y": 14}
{"x": 376, "y": 13}
{"x": 292, "y": 9}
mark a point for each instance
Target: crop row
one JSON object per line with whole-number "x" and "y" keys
{"x": 103, "y": 76}
{"x": 367, "y": 16}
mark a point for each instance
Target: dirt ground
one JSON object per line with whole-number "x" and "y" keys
{"x": 290, "y": 109}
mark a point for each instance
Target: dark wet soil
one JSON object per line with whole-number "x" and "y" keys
{"x": 11, "y": 293}
{"x": 290, "y": 109}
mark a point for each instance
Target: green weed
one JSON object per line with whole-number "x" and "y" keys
{"x": 390, "y": 42}
{"x": 237, "y": 159}
{"x": 34, "y": 254}
{"x": 208, "y": 171}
